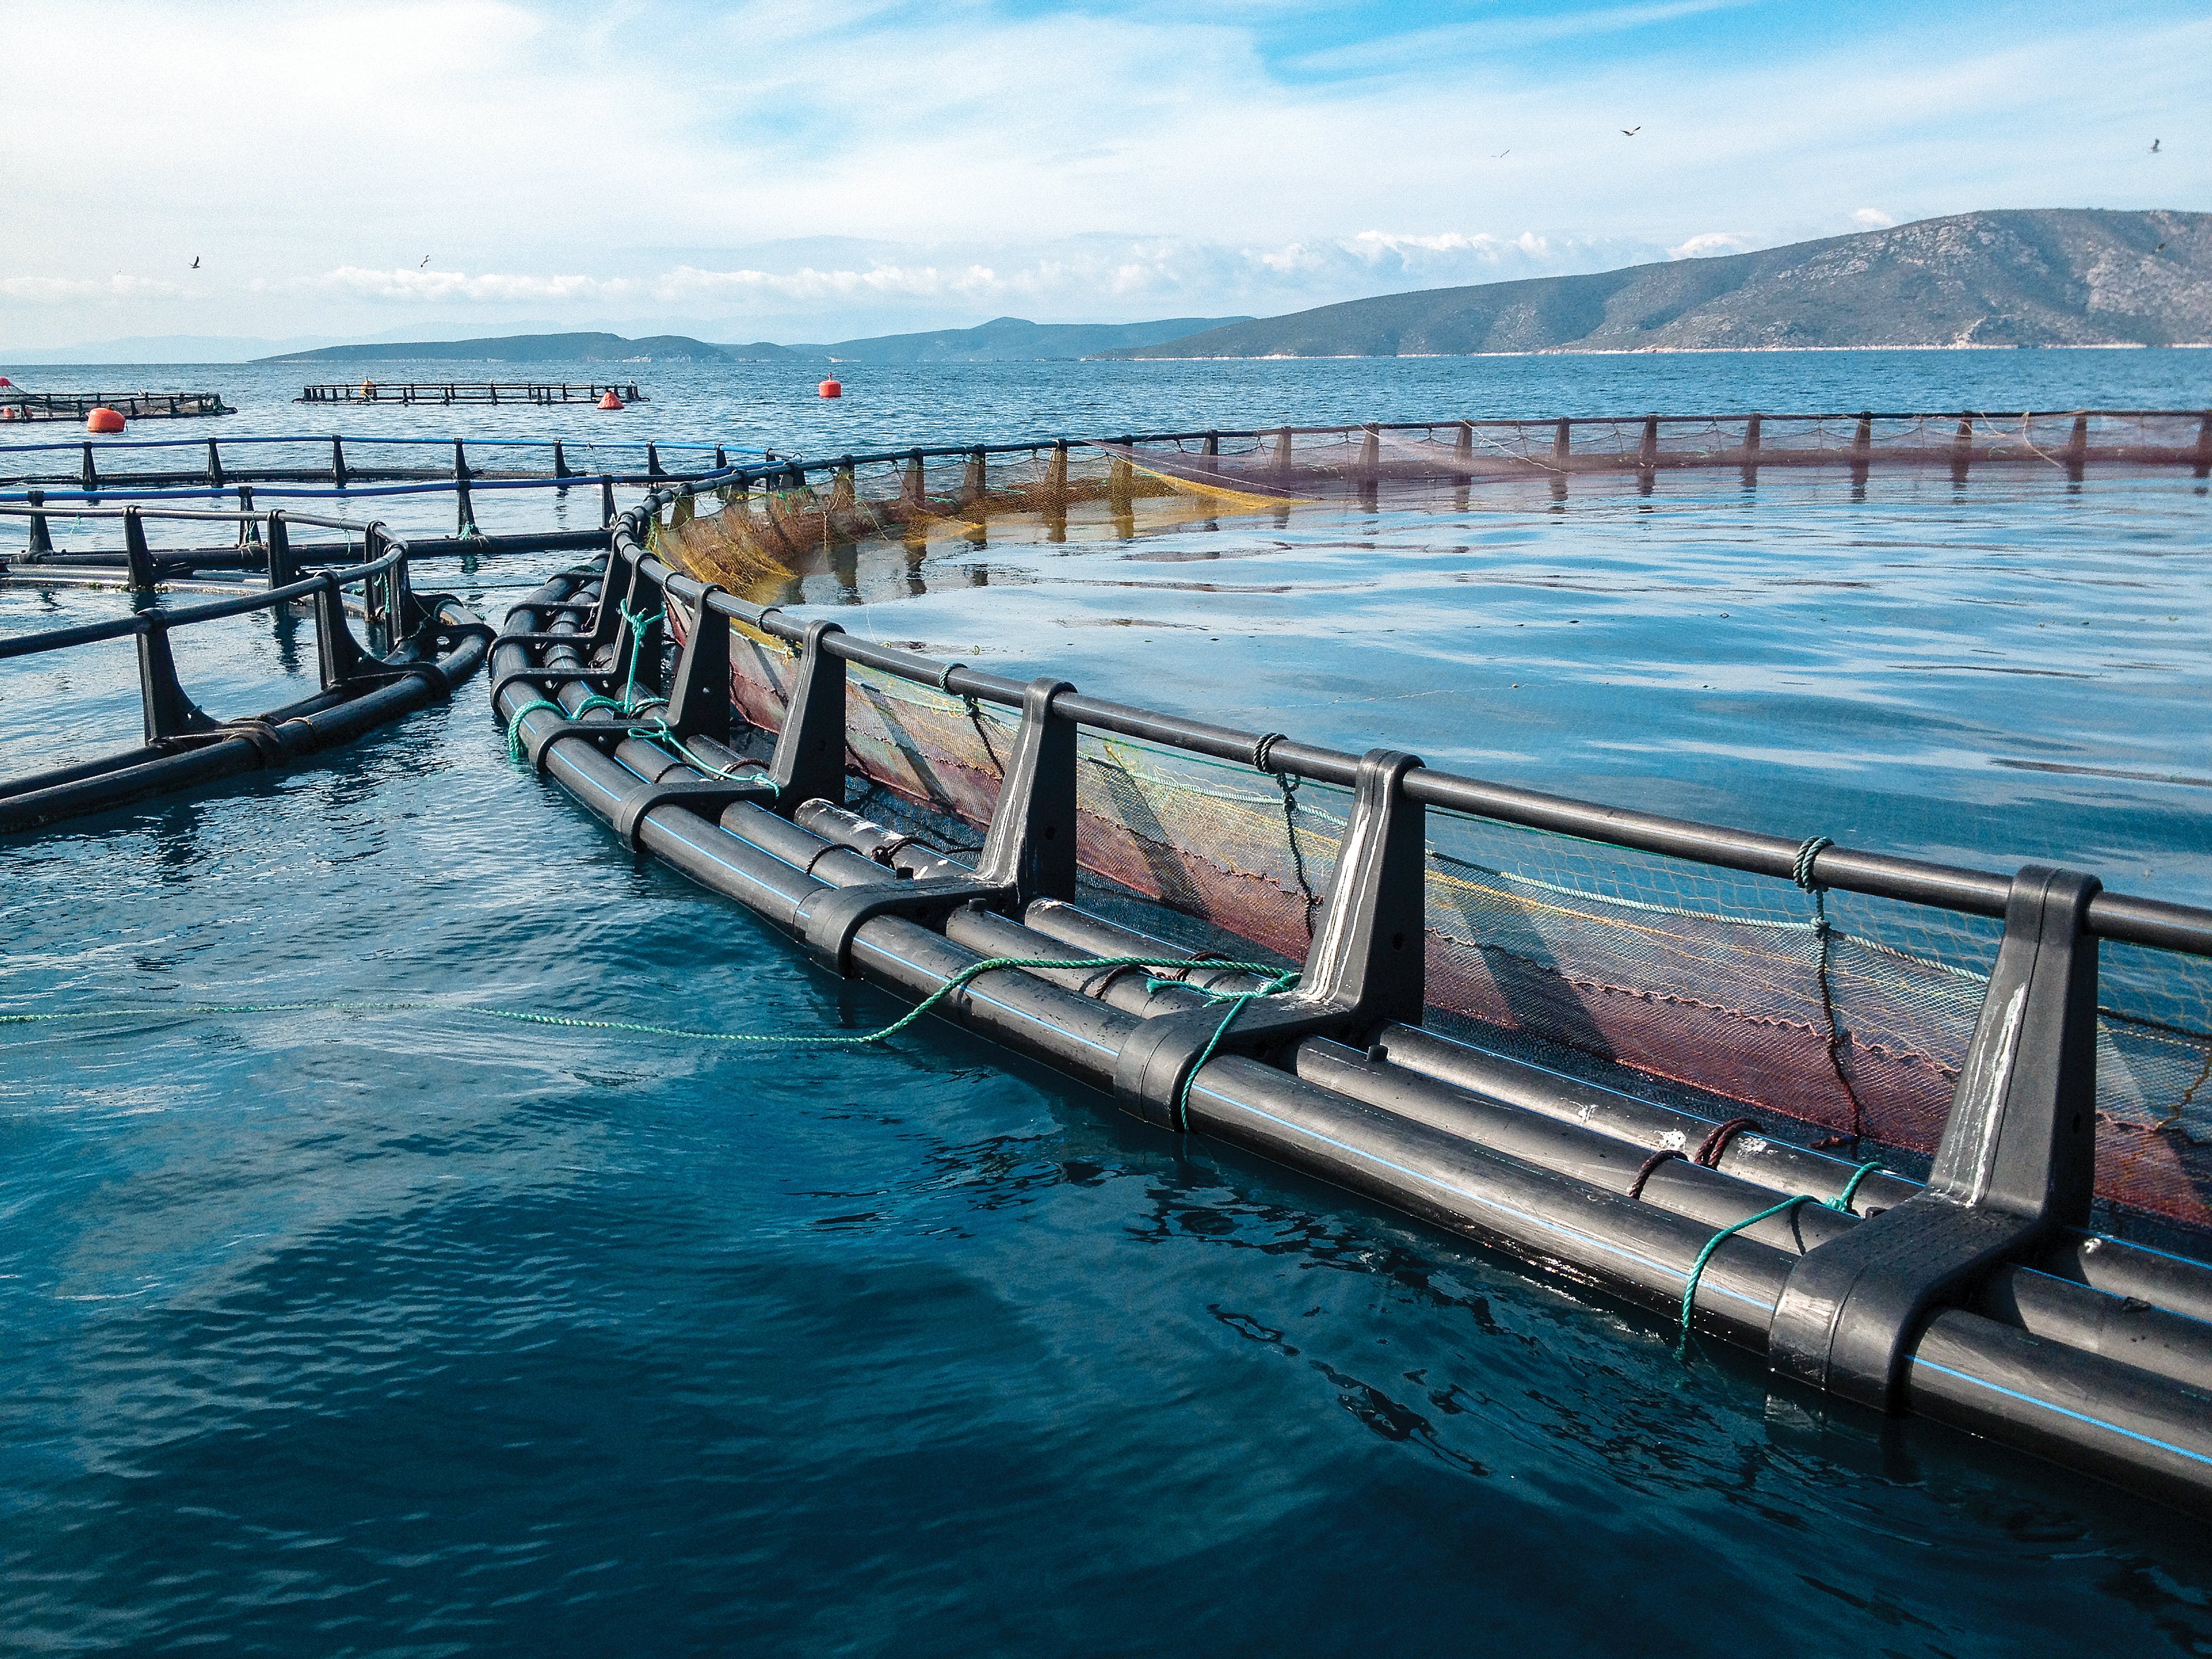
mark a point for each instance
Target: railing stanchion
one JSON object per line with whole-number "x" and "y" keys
{"x": 136, "y": 556}
{"x": 338, "y": 476}
{"x": 91, "y": 472}
{"x": 42, "y": 541}
{"x": 169, "y": 713}
{"x": 282, "y": 570}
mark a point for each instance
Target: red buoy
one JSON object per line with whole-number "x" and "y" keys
{"x": 5, "y": 380}
{"x": 104, "y": 419}
{"x": 610, "y": 400}
{"x": 831, "y": 389}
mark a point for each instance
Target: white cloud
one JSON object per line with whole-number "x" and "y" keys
{"x": 1873, "y": 219}
{"x": 1704, "y": 246}
{"x": 644, "y": 160}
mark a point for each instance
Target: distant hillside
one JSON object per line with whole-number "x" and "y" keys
{"x": 2053, "y": 277}
{"x": 1004, "y": 340}
{"x": 516, "y": 349}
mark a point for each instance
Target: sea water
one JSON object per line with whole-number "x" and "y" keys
{"x": 387, "y": 1328}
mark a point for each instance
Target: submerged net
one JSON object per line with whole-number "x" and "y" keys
{"x": 1845, "y": 1016}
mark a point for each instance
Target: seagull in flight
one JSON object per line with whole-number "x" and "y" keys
{"x": 2155, "y": 143}
{"x": 1630, "y": 132}
{"x": 426, "y": 261}
{"x": 1501, "y": 155}
{"x": 196, "y": 262}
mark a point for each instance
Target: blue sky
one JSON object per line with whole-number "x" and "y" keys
{"x": 808, "y": 171}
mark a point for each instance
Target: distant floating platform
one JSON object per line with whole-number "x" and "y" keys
{"x": 20, "y": 405}
{"x": 442, "y": 393}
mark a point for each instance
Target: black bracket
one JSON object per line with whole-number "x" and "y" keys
{"x": 169, "y": 710}
{"x": 699, "y": 702}
{"x": 1366, "y": 967}
{"x": 706, "y": 799}
{"x": 808, "y": 760}
{"x": 2016, "y": 1163}
{"x": 1028, "y": 853}
{"x": 338, "y": 653}
{"x": 539, "y": 744}
{"x": 544, "y": 677}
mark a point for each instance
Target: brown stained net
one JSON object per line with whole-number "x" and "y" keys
{"x": 1715, "y": 981}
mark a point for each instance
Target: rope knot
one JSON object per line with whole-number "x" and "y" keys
{"x": 1802, "y": 872}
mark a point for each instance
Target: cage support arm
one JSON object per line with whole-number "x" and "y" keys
{"x": 2016, "y": 1161}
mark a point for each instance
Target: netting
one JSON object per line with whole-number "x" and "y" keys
{"x": 1849, "y": 1016}
{"x": 1846, "y": 1016}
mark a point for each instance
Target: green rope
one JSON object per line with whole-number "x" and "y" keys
{"x": 635, "y": 623}
{"x": 1843, "y": 1200}
{"x": 1277, "y": 984}
{"x": 1698, "y": 1267}
{"x": 514, "y": 725}
{"x": 529, "y": 1018}
{"x": 661, "y": 732}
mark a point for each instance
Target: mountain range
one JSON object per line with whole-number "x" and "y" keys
{"x": 1004, "y": 340}
{"x": 2057, "y": 276}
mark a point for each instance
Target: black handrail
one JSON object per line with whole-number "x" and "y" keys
{"x": 2112, "y": 916}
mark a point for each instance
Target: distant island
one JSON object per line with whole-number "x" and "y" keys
{"x": 2033, "y": 276}
{"x": 516, "y": 349}
{"x": 1003, "y": 340}
{"x": 2051, "y": 276}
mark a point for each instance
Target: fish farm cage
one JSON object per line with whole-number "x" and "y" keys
{"x": 1930, "y": 1140}
{"x": 434, "y": 643}
{"x": 16, "y": 405}
{"x": 470, "y": 392}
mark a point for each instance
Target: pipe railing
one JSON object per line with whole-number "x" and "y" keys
{"x": 2118, "y": 916}
{"x": 342, "y": 469}
{"x": 184, "y": 744}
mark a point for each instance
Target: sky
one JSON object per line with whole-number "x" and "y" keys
{"x": 390, "y": 169}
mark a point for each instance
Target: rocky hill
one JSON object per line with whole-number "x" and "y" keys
{"x": 2048, "y": 276}
{"x": 518, "y": 349}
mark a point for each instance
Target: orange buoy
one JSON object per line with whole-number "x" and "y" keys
{"x": 611, "y": 399}
{"x": 831, "y": 389}
{"x": 104, "y": 419}
{"x": 368, "y": 388}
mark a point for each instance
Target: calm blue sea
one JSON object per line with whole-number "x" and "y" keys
{"x": 382, "y": 1330}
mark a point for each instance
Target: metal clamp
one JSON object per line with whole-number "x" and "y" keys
{"x": 1364, "y": 968}
{"x": 2017, "y": 1161}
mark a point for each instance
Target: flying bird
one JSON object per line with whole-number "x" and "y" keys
{"x": 1501, "y": 155}
{"x": 196, "y": 262}
{"x": 426, "y": 261}
{"x": 1630, "y": 132}
{"x": 2155, "y": 143}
